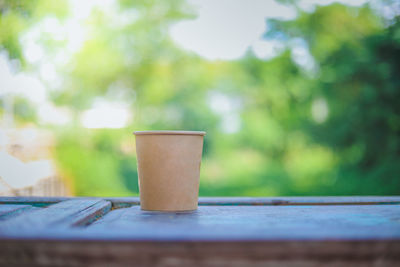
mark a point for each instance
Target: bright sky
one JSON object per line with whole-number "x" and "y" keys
{"x": 226, "y": 29}
{"x": 106, "y": 114}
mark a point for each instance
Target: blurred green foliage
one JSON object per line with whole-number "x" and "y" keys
{"x": 18, "y": 15}
{"x": 328, "y": 129}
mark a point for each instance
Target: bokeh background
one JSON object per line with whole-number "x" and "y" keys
{"x": 297, "y": 97}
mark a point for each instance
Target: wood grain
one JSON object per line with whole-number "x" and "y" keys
{"x": 344, "y": 200}
{"x": 8, "y": 211}
{"x": 267, "y": 201}
{"x": 287, "y": 231}
{"x": 217, "y": 223}
{"x": 33, "y": 201}
{"x": 346, "y": 222}
{"x": 265, "y": 253}
{"x": 61, "y": 215}
{"x": 122, "y": 202}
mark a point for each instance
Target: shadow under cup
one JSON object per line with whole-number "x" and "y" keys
{"x": 169, "y": 169}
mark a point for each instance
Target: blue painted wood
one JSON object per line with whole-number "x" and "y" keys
{"x": 268, "y": 201}
{"x": 62, "y": 215}
{"x": 229, "y": 223}
{"x": 254, "y": 223}
{"x": 342, "y": 200}
{"x": 7, "y": 211}
{"x": 123, "y": 202}
{"x": 287, "y": 231}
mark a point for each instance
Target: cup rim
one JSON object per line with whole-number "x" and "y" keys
{"x": 169, "y": 133}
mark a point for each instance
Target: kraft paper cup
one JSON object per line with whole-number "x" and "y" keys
{"x": 169, "y": 169}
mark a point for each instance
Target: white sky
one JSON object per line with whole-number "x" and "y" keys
{"x": 229, "y": 110}
{"x": 226, "y": 29}
{"x": 106, "y": 114}
{"x": 22, "y": 84}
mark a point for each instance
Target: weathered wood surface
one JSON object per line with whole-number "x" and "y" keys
{"x": 121, "y": 202}
{"x": 199, "y": 253}
{"x": 287, "y": 231}
{"x": 61, "y": 215}
{"x": 356, "y": 200}
{"x": 8, "y": 211}
{"x": 254, "y": 223}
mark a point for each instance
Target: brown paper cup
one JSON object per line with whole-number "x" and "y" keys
{"x": 169, "y": 169}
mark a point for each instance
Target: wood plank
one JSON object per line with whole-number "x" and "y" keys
{"x": 33, "y": 201}
{"x": 333, "y": 200}
{"x": 65, "y": 214}
{"x": 251, "y": 201}
{"x": 349, "y": 222}
{"x": 235, "y": 254}
{"x": 255, "y": 223}
{"x": 8, "y": 211}
{"x": 231, "y": 223}
{"x": 122, "y": 202}
{"x": 231, "y": 234}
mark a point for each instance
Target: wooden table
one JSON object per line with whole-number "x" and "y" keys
{"x": 283, "y": 231}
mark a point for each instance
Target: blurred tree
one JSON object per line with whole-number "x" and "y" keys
{"x": 18, "y": 15}
{"x": 358, "y": 81}
{"x": 323, "y": 121}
